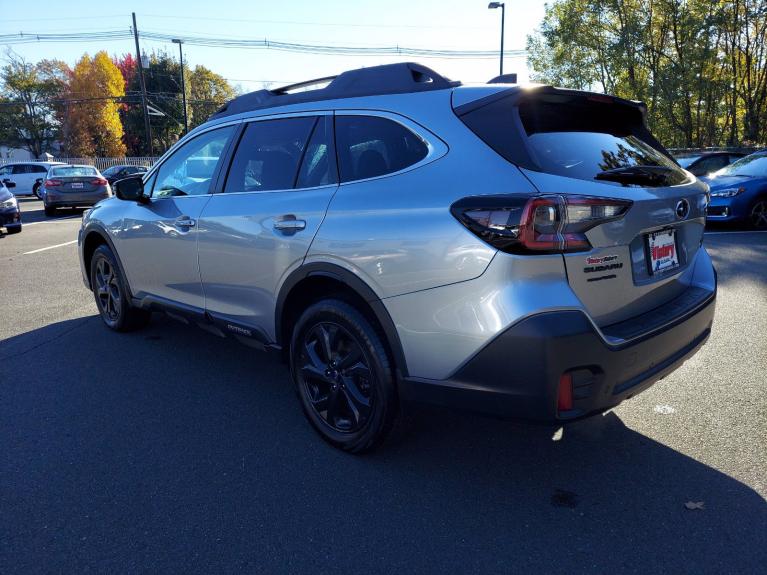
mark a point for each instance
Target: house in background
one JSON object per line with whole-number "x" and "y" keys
{"x": 14, "y": 155}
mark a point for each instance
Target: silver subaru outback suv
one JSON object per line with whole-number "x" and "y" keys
{"x": 530, "y": 252}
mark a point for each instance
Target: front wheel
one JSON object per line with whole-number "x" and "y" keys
{"x": 343, "y": 376}
{"x": 110, "y": 291}
{"x": 758, "y": 215}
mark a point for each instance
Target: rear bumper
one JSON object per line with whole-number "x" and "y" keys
{"x": 517, "y": 375}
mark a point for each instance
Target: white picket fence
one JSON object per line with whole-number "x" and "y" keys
{"x": 100, "y": 163}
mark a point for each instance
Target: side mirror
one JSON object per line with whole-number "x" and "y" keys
{"x": 130, "y": 189}
{"x": 9, "y": 184}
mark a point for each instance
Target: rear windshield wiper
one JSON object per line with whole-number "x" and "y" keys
{"x": 637, "y": 175}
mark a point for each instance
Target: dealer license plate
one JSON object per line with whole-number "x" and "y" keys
{"x": 661, "y": 247}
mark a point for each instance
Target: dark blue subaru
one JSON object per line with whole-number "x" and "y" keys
{"x": 739, "y": 192}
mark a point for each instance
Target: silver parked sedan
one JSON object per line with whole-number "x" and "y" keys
{"x": 73, "y": 186}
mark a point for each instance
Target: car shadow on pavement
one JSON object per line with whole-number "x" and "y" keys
{"x": 170, "y": 449}
{"x": 32, "y": 211}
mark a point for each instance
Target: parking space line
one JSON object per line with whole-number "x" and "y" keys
{"x": 50, "y": 247}
{"x": 52, "y": 221}
{"x": 737, "y": 232}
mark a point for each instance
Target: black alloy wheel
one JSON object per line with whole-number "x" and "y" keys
{"x": 336, "y": 377}
{"x": 111, "y": 293}
{"x": 107, "y": 290}
{"x": 343, "y": 376}
{"x": 758, "y": 216}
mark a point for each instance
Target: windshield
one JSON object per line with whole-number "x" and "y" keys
{"x": 754, "y": 165}
{"x": 112, "y": 170}
{"x": 685, "y": 162}
{"x": 73, "y": 171}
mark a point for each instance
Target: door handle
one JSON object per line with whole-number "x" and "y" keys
{"x": 289, "y": 224}
{"x": 185, "y": 222}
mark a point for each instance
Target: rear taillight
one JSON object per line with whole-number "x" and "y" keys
{"x": 99, "y": 182}
{"x": 52, "y": 183}
{"x": 539, "y": 224}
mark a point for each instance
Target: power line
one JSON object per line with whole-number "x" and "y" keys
{"x": 244, "y": 43}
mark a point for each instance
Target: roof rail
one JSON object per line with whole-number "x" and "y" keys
{"x": 377, "y": 80}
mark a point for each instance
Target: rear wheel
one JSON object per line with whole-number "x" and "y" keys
{"x": 343, "y": 376}
{"x": 757, "y": 217}
{"x": 50, "y": 211}
{"x": 13, "y": 229}
{"x": 36, "y": 191}
{"x": 110, "y": 291}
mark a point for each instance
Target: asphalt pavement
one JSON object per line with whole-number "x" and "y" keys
{"x": 171, "y": 450}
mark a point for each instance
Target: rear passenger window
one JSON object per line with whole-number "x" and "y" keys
{"x": 268, "y": 155}
{"x": 39, "y": 169}
{"x": 370, "y": 146}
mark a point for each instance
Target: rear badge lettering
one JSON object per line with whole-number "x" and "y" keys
{"x": 602, "y": 264}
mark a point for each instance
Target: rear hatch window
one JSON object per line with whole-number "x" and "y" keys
{"x": 576, "y": 135}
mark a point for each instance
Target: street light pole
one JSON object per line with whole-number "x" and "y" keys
{"x": 502, "y": 6}
{"x": 183, "y": 85}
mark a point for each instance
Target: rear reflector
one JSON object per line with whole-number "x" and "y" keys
{"x": 565, "y": 394}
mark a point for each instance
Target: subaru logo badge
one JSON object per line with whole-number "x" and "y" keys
{"x": 682, "y": 209}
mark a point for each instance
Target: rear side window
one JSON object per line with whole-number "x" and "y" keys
{"x": 576, "y": 137}
{"x": 370, "y": 146}
{"x": 269, "y": 154}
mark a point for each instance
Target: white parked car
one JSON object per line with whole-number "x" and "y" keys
{"x": 27, "y": 176}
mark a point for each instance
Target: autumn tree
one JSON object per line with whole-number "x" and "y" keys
{"x": 93, "y": 126}
{"x": 30, "y": 103}
{"x": 209, "y": 92}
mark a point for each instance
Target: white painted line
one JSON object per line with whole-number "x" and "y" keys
{"x": 737, "y": 232}
{"x": 51, "y": 221}
{"x": 51, "y": 247}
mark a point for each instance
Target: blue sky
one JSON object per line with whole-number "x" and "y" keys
{"x": 466, "y": 24}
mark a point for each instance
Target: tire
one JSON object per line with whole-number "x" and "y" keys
{"x": 112, "y": 295}
{"x": 50, "y": 211}
{"x": 13, "y": 229}
{"x": 36, "y": 192}
{"x": 346, "y": 386}
{"x": 757, "y": 214}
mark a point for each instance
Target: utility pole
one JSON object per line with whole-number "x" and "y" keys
{"x": 147, "y": 126}
{"x": 183, "y": 85}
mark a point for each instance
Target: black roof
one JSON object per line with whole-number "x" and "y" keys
{"x": 377, "y": 80}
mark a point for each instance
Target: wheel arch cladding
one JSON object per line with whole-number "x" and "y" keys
{"x": 93, "y": 240}
{"x": 316, "y": 281}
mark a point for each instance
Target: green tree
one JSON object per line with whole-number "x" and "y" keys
{"x": 209, "y": 92}
{"x": 700, "y": 65}
{"x": 30, "y": 103}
